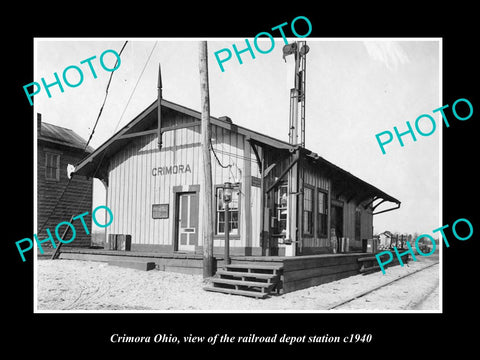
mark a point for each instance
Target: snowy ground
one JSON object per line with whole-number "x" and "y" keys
{"x": 86, "y": 285}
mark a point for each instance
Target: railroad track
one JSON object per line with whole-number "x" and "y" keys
{"x": 362, "y": 294}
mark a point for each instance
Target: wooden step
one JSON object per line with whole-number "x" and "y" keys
{"x": 241, "y": 274}
{"x": 259, "y": 283}
{"x": 250, "y": 266}
{"x": 241, "y": 283}
{"x": 255, "y": 294}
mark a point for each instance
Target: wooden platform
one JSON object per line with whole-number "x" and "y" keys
{"x": 301, "y": 272}
{"x": 176, "y": 262}
{"x": 133, "y": 264}
{"x": 296, "y": 273}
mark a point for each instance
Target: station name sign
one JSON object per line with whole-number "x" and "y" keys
{"x": 172, "y": 169}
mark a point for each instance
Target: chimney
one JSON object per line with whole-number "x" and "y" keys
{"x": 226, "y": 119}
{"x": 39, "y": 124}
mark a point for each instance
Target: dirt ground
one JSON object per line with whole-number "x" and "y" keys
{"x": 85, "y": 285}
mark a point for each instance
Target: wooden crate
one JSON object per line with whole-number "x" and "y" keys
{"x": 119, "y": 242}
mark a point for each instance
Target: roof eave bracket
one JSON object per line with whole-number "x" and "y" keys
{"x": 386, "y": 210}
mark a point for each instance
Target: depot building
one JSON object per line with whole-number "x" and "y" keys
{"x": 287, "y": 200}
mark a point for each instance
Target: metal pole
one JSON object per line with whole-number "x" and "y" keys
{"x": 227, "y": 234}
{"x": 159, "y": 110}
{"x": 303, "y": 88}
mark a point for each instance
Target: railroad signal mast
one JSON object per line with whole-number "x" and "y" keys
{"x": 295, "y": 177}
{"x": 297, "y": 95}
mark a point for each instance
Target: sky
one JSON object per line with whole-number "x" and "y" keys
{"x": 356, "y": 88}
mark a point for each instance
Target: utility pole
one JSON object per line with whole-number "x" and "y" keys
{"x": 207, "y": 198}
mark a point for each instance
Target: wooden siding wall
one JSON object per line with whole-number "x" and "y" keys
{"x": 237, "y": 164}
{"x": 349, "y": 222}
{"x": 310, "y": 245}
{"x": 366, "y": 223}
{"x": 312, "y": 177}
{"x": 133, "y": 189}
{"x": 76, "y": 200}
{"x": 256, "y": 211}
{"x": 281, "y": 159}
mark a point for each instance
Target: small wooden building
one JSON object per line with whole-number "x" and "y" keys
{"x": 288, "y": 201}
{"x": 385, "y": 240}
{"x": 58, "y": 147}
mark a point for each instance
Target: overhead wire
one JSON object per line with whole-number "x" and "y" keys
{"x": 135, "y": 87}
{"x": 126, "y": 105}
{"x": 116, "y": 127}
{"x": 216, "y": 157}
{"x": 105, "y": 98}
{"x": 128, "y": 102}
{"x": 86, "y": 144}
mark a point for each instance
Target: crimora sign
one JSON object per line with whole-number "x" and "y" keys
{"x": 171, "y": 170}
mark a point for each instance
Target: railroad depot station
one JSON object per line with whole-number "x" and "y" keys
{"x": 290, "y": 207}
{"x": 295, "y": 219}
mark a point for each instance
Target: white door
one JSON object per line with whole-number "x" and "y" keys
{"x": 187, "y": 221}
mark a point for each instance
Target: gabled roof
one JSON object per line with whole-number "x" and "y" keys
{"x": 146, "y": 122}
{"x": 62, "y": 136}
{"x": 354, "y": 187}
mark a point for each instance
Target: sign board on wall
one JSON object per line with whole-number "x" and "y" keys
{"x": 160, "y": 211}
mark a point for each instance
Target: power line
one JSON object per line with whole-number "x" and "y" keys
{"x": 106, "y": 95}
{"x": 135, "y": 87}
{"x": 216, "y": 157}
{"x": 128, "y": 102}
{"x": 125, "y": 108}
{"x": 86, "y": 145}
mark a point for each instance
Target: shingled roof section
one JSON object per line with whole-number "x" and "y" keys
{"x": 63, "y": 136}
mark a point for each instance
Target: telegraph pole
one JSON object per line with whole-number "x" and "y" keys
{"x": 207, "y": 199}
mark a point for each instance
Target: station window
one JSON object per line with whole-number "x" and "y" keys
{"x": 308, "y": 211}
{"x": 52, "y": 166}
{"x": 322, "y": 206}
{"x": 281, "y": 209}
{"x": 220, "y": 213}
